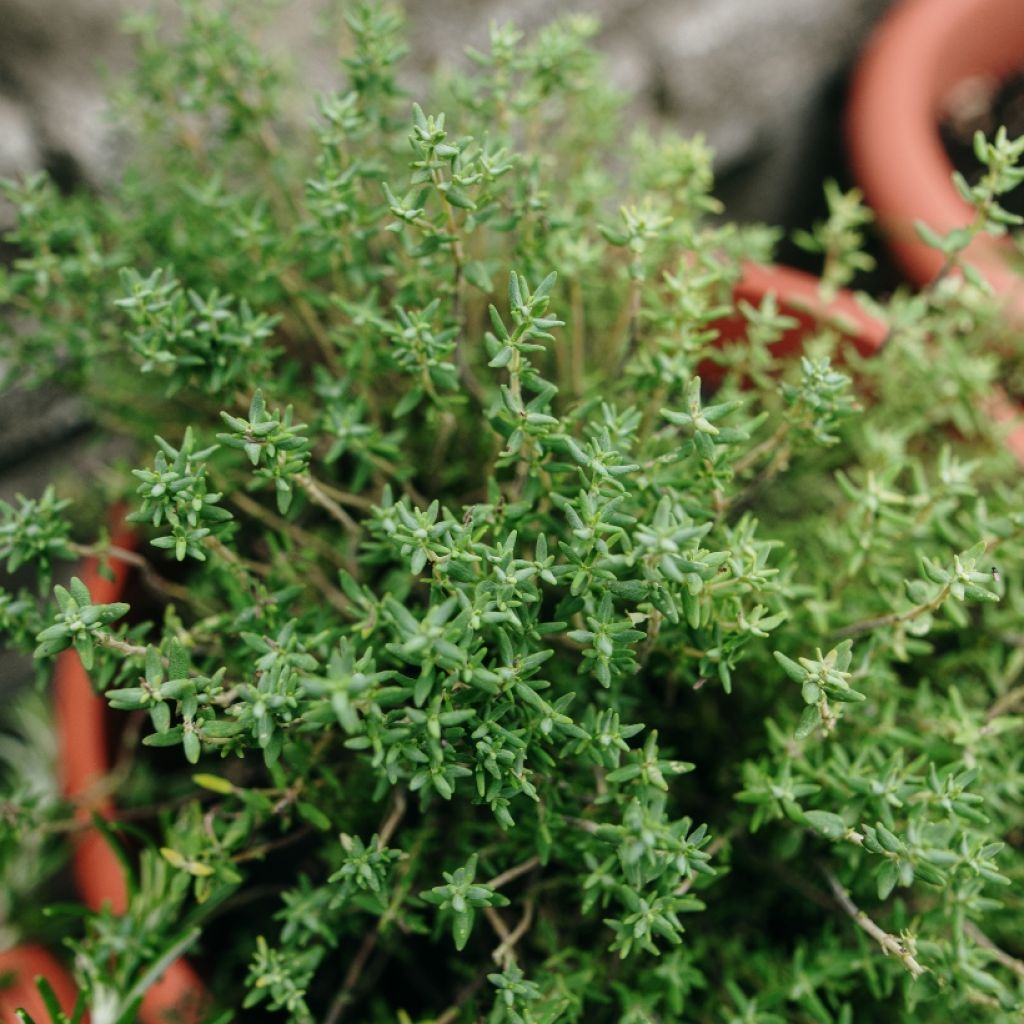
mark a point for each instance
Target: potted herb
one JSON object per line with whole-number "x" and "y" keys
{"x": 543, "y": 615}
{"x": 920, "y": 54}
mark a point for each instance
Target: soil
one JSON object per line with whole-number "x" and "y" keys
{"x": 983, "y": 103}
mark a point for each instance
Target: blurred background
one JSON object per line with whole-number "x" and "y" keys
{"x": 763, "y": 80}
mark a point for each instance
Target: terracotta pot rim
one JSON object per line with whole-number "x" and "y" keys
{"x": 800, "y": 292}
{"x": 919, "y": 51}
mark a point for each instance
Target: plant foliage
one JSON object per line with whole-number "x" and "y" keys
{"x": 521, "y": 651}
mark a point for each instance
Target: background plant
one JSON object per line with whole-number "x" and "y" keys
{"x": 518, "y": 652}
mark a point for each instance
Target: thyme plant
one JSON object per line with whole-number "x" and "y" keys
{"x": 516, "y": 649}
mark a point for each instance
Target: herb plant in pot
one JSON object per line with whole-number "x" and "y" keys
{"x": 503, "y": 668}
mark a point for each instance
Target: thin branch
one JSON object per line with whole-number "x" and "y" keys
{"x": 282, "y": 525}
{"x": 393, "y": 820}
{"x": 309, "y": 317}
{"x": 769, "y": 444}
{"x": 318, "y": 495}
{"x": 343, "y": 999}
{"x": 150, "y": 576}
{"x": 497, "y": 922}
{"x": 798, "y": 882}
{"x": 439, "y": 454}
{"x": 504, "y": 954}
{"x": 890, "y": 945}
{"x": 578, "y": 334}
{"x": 117, "y": 644}
{"x": 261, "y": 850}
{"x": 129, "y": 746}
{"x": 513, "y": 873}
{"x": 348, "y": 498}
{"x": 355, "y": 969}
{"x": 628, "y": 324}
{"x": 462, "y": 997}
{"x": 898, "y": 618}
{"x": 334, "y": 597}
{"x": 1008, "y": 961}
{"x": 778, "y": 463}
{"x": 582, "y": 823}
{"x": 1006, "y": 703}
{"x": 241, "y": 566}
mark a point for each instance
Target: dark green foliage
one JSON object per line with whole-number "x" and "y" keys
{"x": 541, "y": 659}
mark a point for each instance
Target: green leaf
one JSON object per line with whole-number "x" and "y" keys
{"x": 80, "y": 592}
{"x": 830, "y": 825}
{"x": 928, "y": 236}
{"x": 86, "y": 650}
{"x": 160, "y": 714}
{"x": 809, "y": 722}
{"x": 790, "y": 667}
{"x": 214, "y": 783}
{"x": 457, "y": 197}
{"x": 888, "y": 875}
{"x": 462, "y": 926}
{"x": 477, "y": 275}
{"x": 190, "y": 743}
{"x": 311, "y": 813}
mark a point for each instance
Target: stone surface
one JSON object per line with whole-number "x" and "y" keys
{"x": 19, "y": 148}
{"x": 52, "y": 58}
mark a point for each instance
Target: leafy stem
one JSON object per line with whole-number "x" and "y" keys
{"x": 900, "y": 948}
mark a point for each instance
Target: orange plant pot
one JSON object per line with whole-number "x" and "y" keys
{"x": 84, "y": 763}
{"x": 798, "y": 296}
{"x": 19, "y": 968}
{"x": 920, "y": 52}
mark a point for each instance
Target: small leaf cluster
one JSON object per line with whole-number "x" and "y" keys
{"x": 78, "y": 623}
{"x": 34, "y": 531}
{"x": 275, "y": 445}
{"x": 461, "y": 897}
{"x": 190, "y": 337}
{"x": 174, "y": 494}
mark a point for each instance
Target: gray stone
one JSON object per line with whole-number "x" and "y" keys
{"x": 52, "y": 56}
{"x": 751, "y": 75}
{"x": 18, "y": 149}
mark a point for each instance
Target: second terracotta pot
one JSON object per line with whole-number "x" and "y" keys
{"x": 918, "y": 55}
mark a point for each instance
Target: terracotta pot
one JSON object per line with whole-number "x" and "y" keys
{"x": 81, "y": 722}
{"x": 920, "y": 52}
{"x": 19, "y": 968}
{"x": 82, "y": 735}
{"x": 797, "y": 295}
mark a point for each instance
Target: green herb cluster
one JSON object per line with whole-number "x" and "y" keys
{"x": 524, "y": 653}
